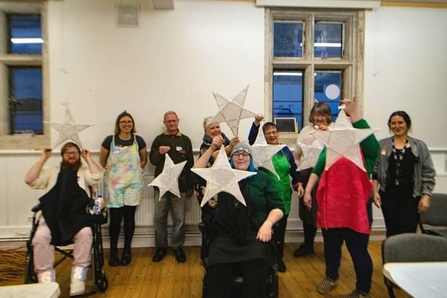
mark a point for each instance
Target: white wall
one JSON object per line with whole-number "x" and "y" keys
{"x": 406, "y": 69}
{"x": 175, "y": 59}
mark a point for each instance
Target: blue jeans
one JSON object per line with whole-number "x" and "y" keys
{"x": 161, "y": 210}
{"x": 357, "y": 245}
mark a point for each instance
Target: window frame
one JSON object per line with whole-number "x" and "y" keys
{"x": 14, "y": 142}
{"x": 351, "y": 63}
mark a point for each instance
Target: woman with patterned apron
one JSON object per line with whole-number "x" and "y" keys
{"x": 123, "y": 155}
{"x": 284, "y": 165}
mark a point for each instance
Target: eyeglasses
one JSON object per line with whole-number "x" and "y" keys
{"x": 240, "y": 154}
{"x": 71, "y": 153}
{"x": 126, "y": 122}
{"x": 271, "y": 133}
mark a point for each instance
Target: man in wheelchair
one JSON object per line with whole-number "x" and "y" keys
{"x": 64, "y": 218}
{"x": 240, "y": 236}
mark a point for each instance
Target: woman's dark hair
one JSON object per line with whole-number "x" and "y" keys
{"x": 117, "y": 122}
{"x": 321, "y": 108}
{"x": 402, "y": 114}
{"x": 267, "y": 125}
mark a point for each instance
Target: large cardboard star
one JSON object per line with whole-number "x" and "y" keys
{"x": 221, "y": 177}
{"x": 263, "y": 153}
{"x": 168, "y": 179}
{"x": 342, "y": 140}
{"x": 68, "y": 131}
{"x": 233, "y": 111}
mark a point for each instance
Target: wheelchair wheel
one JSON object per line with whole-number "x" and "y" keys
{"x": 101, "y": 281}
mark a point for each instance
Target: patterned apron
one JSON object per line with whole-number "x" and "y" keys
{"x": 123, "y": 178}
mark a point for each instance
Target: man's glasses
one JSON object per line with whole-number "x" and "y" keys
{"x": 126, "y": 122}
{"x": 71, "y": 154}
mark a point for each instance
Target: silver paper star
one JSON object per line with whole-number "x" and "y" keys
{"x": 168, "y": 179}
{"x": 233, "y": 111}
{"x": 263, "y": 153}
{"x": 343, "y": 140}
{"x": 221, "y": 177}
{"x": 68, "y": 130}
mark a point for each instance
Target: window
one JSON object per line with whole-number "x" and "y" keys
{"x": 22, "y": 76}
{"x": 312, "y": 55}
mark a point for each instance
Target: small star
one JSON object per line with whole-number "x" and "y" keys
{"x": 263, "y": 153}
{"x": 310, "y": 148}
{"x": 233, "y": 111}
{"x": 221, "y": 177}
{"x": 168, "y": 179}
{"x": 343, "y": 140}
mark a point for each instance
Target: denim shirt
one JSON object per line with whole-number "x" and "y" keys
{"x": 424, "y": 171}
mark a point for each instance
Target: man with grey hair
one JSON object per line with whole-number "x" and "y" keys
{"x": 179, "y": 148}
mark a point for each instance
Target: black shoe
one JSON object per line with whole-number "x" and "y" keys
{"x": 159, "y": 254}
{"x": 281, "y": 265}
{"x": 127, "y": 258}
{"x": 113, "y": 258}
{"x": 179, "y": 254}
{"x": 303, "y": 250}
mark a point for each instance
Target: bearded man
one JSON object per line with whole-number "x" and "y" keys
{"x": 64, "y": 218}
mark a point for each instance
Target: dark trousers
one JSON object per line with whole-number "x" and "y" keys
{"x": 309, "y": 235}
{"x": 357, "y": 245}
{"x": 221, "y": 277}
{"x": 400, "y": 213}
{"x": 116, "y": 216}
{"x": 279, "y": 234}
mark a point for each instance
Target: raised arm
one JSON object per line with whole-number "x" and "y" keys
{"x": 34, "y": 172}
{"x": 203, "y": 160}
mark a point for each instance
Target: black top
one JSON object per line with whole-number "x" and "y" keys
{"x": 123, "y": 143}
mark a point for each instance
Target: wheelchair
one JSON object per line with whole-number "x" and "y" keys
{"x": 99, "y": 277}
{"x": 237, "y": 280}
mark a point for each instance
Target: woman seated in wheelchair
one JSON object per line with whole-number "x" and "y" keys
{"x": 64, "y": 219}
{"x": 241, "y": 235}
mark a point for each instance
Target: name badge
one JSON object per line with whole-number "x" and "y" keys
{"x": 179, "y": 148}
{"x": 383, "y": 152}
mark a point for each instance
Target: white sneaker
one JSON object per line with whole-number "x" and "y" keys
{"x": 78, "y": 276}
{"x": 46, "y": 276}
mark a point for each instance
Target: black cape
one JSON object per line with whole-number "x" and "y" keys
{"x": 64, "y": 208}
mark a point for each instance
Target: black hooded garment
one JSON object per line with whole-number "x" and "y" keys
{"x": 64, "y": 208}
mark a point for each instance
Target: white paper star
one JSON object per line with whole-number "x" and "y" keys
{"x": 168, "y": 179}
{"x": 221, "y": 177}
{"x": 68, "y": 130}
{"x": 310, "y": 148}
{"x": 343, "y": 141}
{"x": 263, "y": 153}
{"x": 233, "y": 111}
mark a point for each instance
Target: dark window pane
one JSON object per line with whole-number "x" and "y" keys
{"x": 288, "y": 40}
{"x": 288, "y": 95}
{"x": 26, "y": 100}
{"x": 25, "y": 34}
{"x": 328, "y": 89}
{"x": 328, "y": 40}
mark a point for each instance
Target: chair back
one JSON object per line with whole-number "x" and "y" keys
{"x": 435, "y": 216}
{"x": 414, "y": 248}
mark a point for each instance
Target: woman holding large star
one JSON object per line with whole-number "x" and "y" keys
{"x": 241, "y": 234}
{"x": 343, "y": 196}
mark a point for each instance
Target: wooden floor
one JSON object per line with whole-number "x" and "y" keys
{"x": 142, "y": 278}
